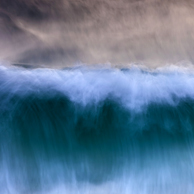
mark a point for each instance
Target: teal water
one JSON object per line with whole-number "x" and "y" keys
{"x": 96, "y": 131}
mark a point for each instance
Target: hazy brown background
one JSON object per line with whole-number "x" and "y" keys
{"x": 59, "y": 33}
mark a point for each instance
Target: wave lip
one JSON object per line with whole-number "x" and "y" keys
{"x": 134, "y": 88}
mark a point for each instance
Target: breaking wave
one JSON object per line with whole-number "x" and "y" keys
{"x": 92, "y": 130}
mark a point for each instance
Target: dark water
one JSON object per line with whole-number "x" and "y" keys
{"x": 96, "y": 131}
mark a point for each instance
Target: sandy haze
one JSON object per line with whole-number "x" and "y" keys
{"x": 60, "y": 33}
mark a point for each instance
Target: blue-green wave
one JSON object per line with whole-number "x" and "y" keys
{"x": 94, "y": 126}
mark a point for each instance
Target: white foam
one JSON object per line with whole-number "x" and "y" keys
{"x": 133, "y": 89}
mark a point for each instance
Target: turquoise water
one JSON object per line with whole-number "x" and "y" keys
{"x": 107, "y": 130}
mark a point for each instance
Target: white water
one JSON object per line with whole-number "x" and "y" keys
{"x": 133, "y": 88}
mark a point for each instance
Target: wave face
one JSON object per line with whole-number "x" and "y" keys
{"x": 96, "y": 131}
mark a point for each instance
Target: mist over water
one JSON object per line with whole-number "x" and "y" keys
{"x": 55, "y": 34}
{"x": 96, "y": 130}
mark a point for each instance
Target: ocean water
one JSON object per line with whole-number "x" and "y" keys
{"x": 96, "y": 130}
